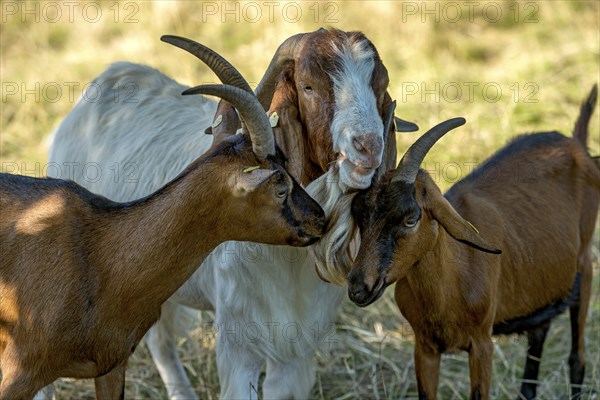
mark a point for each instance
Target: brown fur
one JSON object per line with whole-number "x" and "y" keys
{"x": 82, "y": 278}
{"x": 303, "y": 132}
{"x": 537, "y": 200}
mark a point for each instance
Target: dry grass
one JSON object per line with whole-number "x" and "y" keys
{"x": 550, "y": 57}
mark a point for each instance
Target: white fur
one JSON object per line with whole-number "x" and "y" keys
{"x": 270, "y": 305}
{"x": 355, "y": 111}
{"x": 113, "y": 143}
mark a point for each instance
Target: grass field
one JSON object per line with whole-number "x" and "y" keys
{"x": 507, "y": 67}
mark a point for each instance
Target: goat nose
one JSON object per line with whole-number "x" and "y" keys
{"x": 356, "y": 287}
{"x": 369, "y": 145}
{"x": 357, "y": 293}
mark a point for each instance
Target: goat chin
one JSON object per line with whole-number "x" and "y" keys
{"x": 354, "y": 176}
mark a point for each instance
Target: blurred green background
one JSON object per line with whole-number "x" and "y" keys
{"x": 507, "y": 67}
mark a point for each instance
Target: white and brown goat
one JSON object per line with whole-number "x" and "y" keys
{"x": 82, "y": 278}
{"x": 312, "y": 83}
{"x": 536, "y": 199}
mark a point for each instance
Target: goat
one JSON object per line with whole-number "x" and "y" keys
{"x": 82, "y": 278}
{"x": 314, "y": 131}
{"x": 536, "y": 199}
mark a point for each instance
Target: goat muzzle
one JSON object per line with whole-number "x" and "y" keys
{"x": 360, "y": 293}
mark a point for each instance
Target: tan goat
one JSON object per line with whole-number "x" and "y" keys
{"x": 82, "y": 278}
{"x": 536, "y": 199}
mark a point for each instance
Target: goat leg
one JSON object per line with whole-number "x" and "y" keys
{"x": 162, "y": 343}
{"x": 480, "y": 368}
{"x": 238, "y": 368}
{"x": 578, "y": 313}
{"x": 535, "y": 341}
{"x": 427, "y": 367}
{"x": 111, "y": 386}
{"x": 18, "y": 384}
{"x": 292, "y": 379}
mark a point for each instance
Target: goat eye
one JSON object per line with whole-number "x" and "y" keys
{"x": 308, "y": 89}
{"x": 411, "y": 223}
{"x": 281, "y": 194}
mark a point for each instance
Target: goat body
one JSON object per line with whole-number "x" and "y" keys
{"x": 82, "y": 278}
{"x": 537, "y": 200}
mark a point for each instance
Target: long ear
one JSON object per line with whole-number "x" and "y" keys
{"x": 596, "y": 160}
{"x": 285, "y": 120}
{"x": 405, "y": 126}
{"x": 225, "y": 122}
{"x": 250, "y": 179}
{"x": 398, "y": 125}
{"x": 459, "y": 228}
{"x": 390, "y": 153}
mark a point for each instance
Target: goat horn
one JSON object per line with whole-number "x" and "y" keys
{"x": 226, "y": 72}
{"x": 285, "y": 53}
{"x": 257, "y": 123}
{"x": 409, "y": 165}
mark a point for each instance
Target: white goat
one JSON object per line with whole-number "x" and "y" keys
{"x": 270, "y": 304}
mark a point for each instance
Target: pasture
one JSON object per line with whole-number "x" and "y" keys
{"x": 507, "y": 67}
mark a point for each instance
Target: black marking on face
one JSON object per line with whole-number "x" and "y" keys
{"x": 293, "y": 200}
{"x": 298, "y": 207}
{"x": 279, "y": 159}
{"x": 381, "y": 212}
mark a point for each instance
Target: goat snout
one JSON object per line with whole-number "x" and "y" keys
{"x": 370, "y": 146}
{"x": 310, "y": 231}
{"x": 361, "y": 292}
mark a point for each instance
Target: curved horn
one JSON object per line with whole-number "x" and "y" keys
{"x": 257, "y": 123}
{"x": 226, "y": 72}
{"x": 285, "y": 53}
{"x": 409, "y": 165}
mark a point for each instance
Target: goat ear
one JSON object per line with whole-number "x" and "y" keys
{"x": 288, "y": 129}
{"x": 405, "y": 126}
{"x": 459, "y": 228}
{"x": 250, "y": 179}
{"x": 399, "y": 125}
{"x": 596, "y": 160}
{"x": 389, "y": 155}
{"x": 225, "y": 123}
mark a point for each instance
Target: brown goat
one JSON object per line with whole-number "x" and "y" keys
{"x": 536, "y": 199}
{"x": 83, "y": 278}
{"x": 326, "y": 89}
